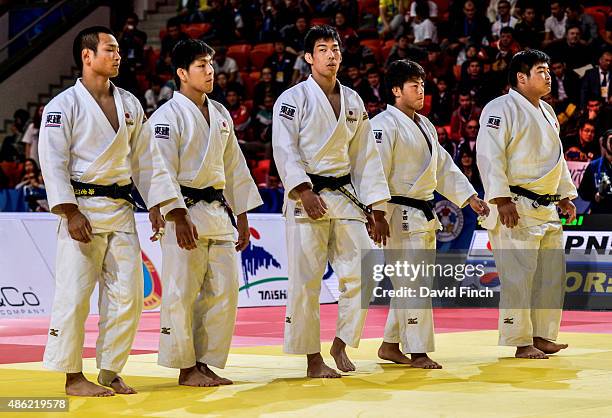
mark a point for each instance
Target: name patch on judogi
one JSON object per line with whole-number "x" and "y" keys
{"x": 162, "y": 131}
{"x": 287, "y": 111}
{"x": 493, "y": 122}
{"x": 378, "y": 135}
{"x": 54, "y": 120}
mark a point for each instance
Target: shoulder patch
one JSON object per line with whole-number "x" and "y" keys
{"x": 378, "y": 135}
{"x": 162, "y": 131}
{"x": 287, "y": 111}
{"x": 54, "y": 120}
{"x": 493, "y": 122}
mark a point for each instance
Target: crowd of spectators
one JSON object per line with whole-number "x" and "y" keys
{"x": 465, "y": 47}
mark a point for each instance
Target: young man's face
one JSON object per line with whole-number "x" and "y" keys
{"x": 465, "y": 101}
{"x": 505, "y": 40}
{"x": 587, "y": 133}
{"x": 474, "y": 69}
{"x": 503, "y": 9}
{"x": 529, "y": 15}
{"x": 411, "y": 95}
{"x": 471, "y": 129}
{"x": 325, "y": 58}
{"x": 352, "y": 73}
{"x": 573, "y": 36}
{"x": 539, "y": 81}
{"x": 200, "y": 76}
{"x": 442, "y": 86}
{"x": 558, "y": 69}
{"x": 279, "y": 47}
{"x": 231, "y": 97}
{"x": 373, "y": 80}
{"x": 605, "y": 61}
{"x": 105, "y": 61}
{"x": 556, "y": 10}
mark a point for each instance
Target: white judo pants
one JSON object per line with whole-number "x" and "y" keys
{"x": 310, "y": 244}
{"x": 410, "y": 320}
{"x": 113, "y": 260}
{"x": 199, "y": 302}
{"x": 531, "y": 267}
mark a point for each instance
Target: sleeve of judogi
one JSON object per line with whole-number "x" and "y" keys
{"x": 148, "y": 171}
{"x": 451, "y": 182}
{"x": 367, "y": 172}
{"x": 493, "y": 138}
{"x": 240, "y": 190}
{"x": 165, "y": 134}
{"x": 54, "y": 143}
{"x": 385, "y": 133}
{"x": 285, "y": 136}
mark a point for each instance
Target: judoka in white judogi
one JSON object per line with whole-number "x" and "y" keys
{"x": 308, "y": 139}
{"x": 200, "y": 294}
{"x": 77, "y": 142}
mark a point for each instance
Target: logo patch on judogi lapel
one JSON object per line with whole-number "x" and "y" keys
{"x": 351, "y": 116}
{"x": 493, "y": 122}
{"x": 129, "y": 120}
{"x": 54, "y": 120}
{"x": 378, "y": 135}
{"x": 287, "y": 111}
{"x": 162, "y": 131}
{"x": 223, "y": 126}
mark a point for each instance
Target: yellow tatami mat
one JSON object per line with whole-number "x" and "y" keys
{"x": 479, "y": 379}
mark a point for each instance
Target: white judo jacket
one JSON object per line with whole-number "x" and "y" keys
{"x": 519, "y": 145}
{"x": 78, "y": 142}
{"x": 198, "y": 155}
{"x": 412, "y": 170}
{"x": 307, "y": 138}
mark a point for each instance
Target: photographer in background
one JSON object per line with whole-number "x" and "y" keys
{"x": 596, "y": 184}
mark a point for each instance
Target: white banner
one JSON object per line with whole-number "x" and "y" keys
{"x": 576, "y": 169}
{"x": 27, "y": 264}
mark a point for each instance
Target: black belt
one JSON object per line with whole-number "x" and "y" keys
{"x": 336, "y": 183}
{"x": 209, "y": 195}
{"x": 114, "y": 191}
{"x": 538, "y": 199}
{"x": 425, "y": 206}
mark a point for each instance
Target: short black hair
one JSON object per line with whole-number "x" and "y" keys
{"x": 320, "y": 32}
{"x": 507, "y": 29}
{"x": 586, "y": 121}
{"x": 523, "y": 62}
{"x": 187, "y": 51}
{"x": 88, "y": 38}
{"x": 398, "y": 73}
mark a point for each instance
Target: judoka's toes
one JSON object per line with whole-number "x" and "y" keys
{"x": 322, "y": 371}
{"x": 120, "y": 387}
{"x": 422, "y": 361}
{"x": 343, "y": 363}
{"x": 83, "y": 387}
{"x": 530, "y": 352}
{"x": 547, "y": 347}
{"x": 392, "y": 352}
{"x": 193, "y": 377}
{"x": 206, "y": 371}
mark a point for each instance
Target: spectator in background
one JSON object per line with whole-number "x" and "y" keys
{"x": 504, "y": 19}
{"x": 470, "y": 27}
{"x": 239, "y": 113}
{"x": 596, "y": 184}
{"x": 586, "y": 22}
{"x": 349, "y": 8}
{"x": 173, "y": 36}
{"x": 266, "y": 86}
{"x": 432, "y": 9}
{"x": 281, "y": 63}
{"x": 221, "y": 19}
{"x": 12, "y": 148}
{"x": 582, "y": 147}
{"x": 506, "y": 48}
{"x": 33, "y": 187}
{"x": 354, "y": 53}
{"x": 423, "y": 29}
{"x": 597, "y": 81}
{"x": 565, "y": 87}
{"x": 571, "y": 49}
{"x": 243, "y": 20}
{"x": 470, "y": 135}
{"x": 445, "y": 141}
{"x": 554, "y": 25}
{"x": 224, "y": 64}
{"x": 466, "y": 161}
{"x": 391, "y": 17}
{"x": 294, "y": 34}
{"x": 222, "y": 86}
{"x": 164, "y": 65}
{"x": 4, "y": 180}
{"x": 263, "y": 119}
{"x": 272, "y": 22}
{"x": 353, "y": 78}
{"x": 529, "y": 31}
{"x": 373, "y": 91}
{"x": 30, "y": 136}
{"x": 152, "y": 95}
{"x": 342, "y": 26}
{"x": 131, "y": 45}
{"x": 476, "y": 83}
{"x": 441, "y": 103}
{"x": 466, "y": 111}
{"x": 403, "y": 50}
{"x": 301, "y": 69}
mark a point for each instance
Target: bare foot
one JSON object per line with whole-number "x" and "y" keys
{"x": 193, "y": 377}
{"x": 338, "y": 352}
{"x": 529, "y": 351}
{"x": 422, "y": 361}
{"x": 203, "y": 368}
{"x": 392, "y": 352}
{"x": 119, "y": 386}
{"x": 78, "y": 385}
{"x": 318, "y": 369}
{"x": 547, "y": 347}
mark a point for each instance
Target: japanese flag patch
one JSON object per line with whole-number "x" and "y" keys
{"x": 54, "y": 120}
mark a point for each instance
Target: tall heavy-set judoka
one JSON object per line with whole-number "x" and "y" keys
{"x": 93, "y": 143}
{"x": 195, "y": 136}
{"x": 415, "y": 165}
{"x": 327, "y": 159}
{"x": 524, "y": 174}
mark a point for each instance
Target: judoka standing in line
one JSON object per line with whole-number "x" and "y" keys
{"x": 196, "y": 138}
{"x": 524, "y": 174}
{"x": 92, "y": 141}
{"x": 415, "y": 165}
{"x": 327, "y": 159}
